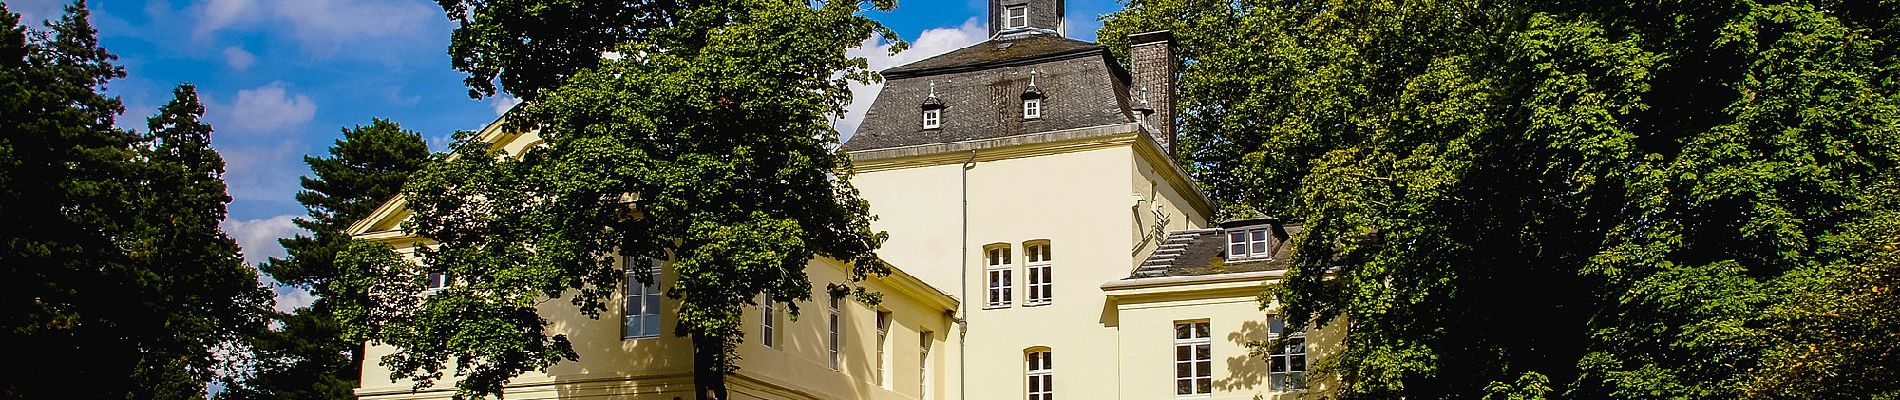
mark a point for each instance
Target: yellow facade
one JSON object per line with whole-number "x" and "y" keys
{"x": 1101, "y": 198}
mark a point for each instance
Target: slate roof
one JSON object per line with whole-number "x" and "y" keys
{"x": 995, "y": 52}
{"x": 981, "y": 89}
{"x": 1204, "y": 252}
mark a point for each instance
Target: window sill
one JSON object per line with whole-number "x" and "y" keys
{"x": 1038, "y": 304}
{"x": 626, "y": 338}
{"x": 996, "y": 307}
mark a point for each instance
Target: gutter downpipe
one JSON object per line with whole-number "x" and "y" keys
{"x": 963, "y": 321}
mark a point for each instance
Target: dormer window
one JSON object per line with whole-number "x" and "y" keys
{"x": 1016, "y": 17}
{"x": 933, "y": 109}
{"x": 1032, "y": 99}
{"x": 1248, "y": 244}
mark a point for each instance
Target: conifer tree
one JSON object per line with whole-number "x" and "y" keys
{"x": 306, "y": 357}
{"x": 113, "y": 271}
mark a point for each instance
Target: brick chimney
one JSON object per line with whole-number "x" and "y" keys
{"x": 1151, "y": 57}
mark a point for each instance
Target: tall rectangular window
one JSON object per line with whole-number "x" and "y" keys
{"x": 933, "y": 118}
{"x": 836, "y": 325}
{"x": 1287, "y": 370}
{"x": 768, "y": 324}
{"x": 1246, "y": 244}
{"x": 1193, "y": 359}
{"x": 883, "y": 352}
{"x": 1041, "y": 370}
{"x": 1038, "y": 267}
{"x": 1017, "y": 17}
{"x": 923, "y": 365}
{"x": 436, "y": 280}
{"x": 640, "y": 302}
{"x": 998, "y": 270}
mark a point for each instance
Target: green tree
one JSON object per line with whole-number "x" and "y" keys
{"x": 198, "y": 294}
{"x": 307, "y": 357}
{"x": 113, "y": 269}
{"x": 1543, "y": 199}
{"x": 704, "y": 142}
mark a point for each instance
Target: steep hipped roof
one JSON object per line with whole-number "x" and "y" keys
{"x": 980, "y": 90}
{"x": 1204, "y": 252}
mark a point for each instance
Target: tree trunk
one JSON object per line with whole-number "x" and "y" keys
{"x": 709, "y": 367}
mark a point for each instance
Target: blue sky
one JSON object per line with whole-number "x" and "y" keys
{"x": 280, "y": 78}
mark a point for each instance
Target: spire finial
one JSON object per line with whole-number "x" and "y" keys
{"x": 933, "y": 89}
{"x": 1032, "y": 78}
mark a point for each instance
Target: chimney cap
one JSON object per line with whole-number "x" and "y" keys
{"x": 1151, "y": 37}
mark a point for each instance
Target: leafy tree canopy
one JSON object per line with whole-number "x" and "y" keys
{"x": 693, "y": 132}
{"x": 1557, "y": 199}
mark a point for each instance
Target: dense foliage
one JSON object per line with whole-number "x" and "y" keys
{"x": 306, "y": 356}
{"x": 115, "y": 280}
{"x": 693, "y": 132}
{"x": 1638, "y": 199}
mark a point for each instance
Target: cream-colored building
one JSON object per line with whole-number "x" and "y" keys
{"x": 1046, "y": 245}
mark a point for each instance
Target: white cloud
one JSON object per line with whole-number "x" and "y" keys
{"x": 502, "y": 103}
{"x": 290, "y": 298}
{"x": 932, "y": 42}
{"x": 238, "y": 59}
{"x": 33, "y": 11}
{"x": 219, "y": 14}
{"x": 262, "y": 109}
{"x": 258, "y": 237}
{"x": 262, "y": 172}
{"x": 323, "y": 26}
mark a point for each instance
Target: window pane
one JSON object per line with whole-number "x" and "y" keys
{"x": 1181, "y": 353}
{"x": 651, "y": 326}
{"x": 1296, "y": 380}
{"x": 1183, "y": 370}
{"x": 1183, "y": 387}
{"x": 1277, "y": 382}
{"x": 1200, "y": 329}
{"x": 1180, "y": 331}
{"x": 1202, "y": 352}
{"x": 1204, "y": 385}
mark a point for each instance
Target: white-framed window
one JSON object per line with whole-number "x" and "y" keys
{"x": 1247, "y": 244}
{"x": 768, "y": 322}
{"x": 997, "y": 270}
{"x": 933, "y": 118}
{"x": 1032, "y": 108}
{"x": 1193, "y": 359}
{"x": 1016, "y": 17}
{"x": 640, "y": 302}
{"x": 1037, "y": 266}
{"x": 436, "y": 280}
{"x": 923, "y": 364}
{"x": 1287, "y": 362}
{"x": 836, "y": 324}
{"x": 883, "y": 350}
{"x": 1041, "y": 372}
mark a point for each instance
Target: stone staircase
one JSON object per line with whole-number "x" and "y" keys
{"x": 1171, "y": 249}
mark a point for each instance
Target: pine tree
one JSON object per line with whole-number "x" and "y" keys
{"x": 307, "y": 357}
{"x": 113, "y": 271}
{"x": 200, "y": 296}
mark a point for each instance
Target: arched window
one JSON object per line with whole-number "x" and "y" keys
{"x": 1040, "y": 369}
{"x": 997, "y": 271}
{"x": 1038, "y": 267}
